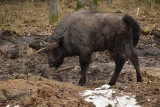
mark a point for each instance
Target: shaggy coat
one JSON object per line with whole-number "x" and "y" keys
{"x": 84, "y": 32}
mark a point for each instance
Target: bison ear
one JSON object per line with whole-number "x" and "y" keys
{"x": 55, "y": 38}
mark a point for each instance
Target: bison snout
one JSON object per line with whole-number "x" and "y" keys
{"x": 51, "y": 65}
{"x": 54, "y": 64}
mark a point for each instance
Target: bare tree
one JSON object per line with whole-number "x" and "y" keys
{"x": 53, "y": 10}
{"x": 80, "y": 4}
{"x": 157, "y": 1}
{"x": 92, "y": 3}
{"x": 109, "y": 1}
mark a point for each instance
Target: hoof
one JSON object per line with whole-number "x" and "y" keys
{"x": 139, "y": 79}
{"x": 82, "y": 81}
{"x": 111, "y": 83}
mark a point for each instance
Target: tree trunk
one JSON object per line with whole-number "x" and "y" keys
{"x": 93, "y": 4}
{"x": 80, "y": 4}
{"x": 53, "y": 10}
{"x": 157, "y": 1}
{"x": 109, "y": 1}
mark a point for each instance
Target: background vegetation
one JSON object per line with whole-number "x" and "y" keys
{"x": 32, "y": 16}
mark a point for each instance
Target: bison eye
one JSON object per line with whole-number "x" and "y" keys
{"x": 56, "y": 52}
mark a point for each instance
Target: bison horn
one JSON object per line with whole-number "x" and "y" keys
{"x": 40, "y": 50}
{"x": 51, "y": 45}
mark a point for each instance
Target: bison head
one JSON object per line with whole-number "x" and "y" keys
{"x": 55, "y": 54}
{"x": 53, "y": 50}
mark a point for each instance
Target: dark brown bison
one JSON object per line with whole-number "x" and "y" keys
{"x": 84, "y": 32}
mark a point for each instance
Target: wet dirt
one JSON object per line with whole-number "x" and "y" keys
{"x": 28, "y": 81}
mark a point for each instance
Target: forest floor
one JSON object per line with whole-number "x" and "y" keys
{"x": 29, "y": 81}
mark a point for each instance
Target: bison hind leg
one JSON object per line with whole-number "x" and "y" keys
{"x": 132, "y": 55}
{"x": 135, "y": 61}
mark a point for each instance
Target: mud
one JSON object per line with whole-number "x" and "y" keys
{"x": 27, "y": 80}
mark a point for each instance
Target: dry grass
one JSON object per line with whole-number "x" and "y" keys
{"x": 25, "y": 17}
{"x": 33, "y": 17}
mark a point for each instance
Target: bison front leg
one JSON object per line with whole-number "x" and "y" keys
{"x": 84, "y": 63}
{"x": 119, "y": 61}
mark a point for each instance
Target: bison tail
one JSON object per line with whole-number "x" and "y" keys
{"x": 135, "y": 28}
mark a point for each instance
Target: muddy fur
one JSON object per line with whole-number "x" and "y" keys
{"x": 84, "y": 32}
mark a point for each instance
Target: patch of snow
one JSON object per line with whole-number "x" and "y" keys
{"x": 104, "y": 96}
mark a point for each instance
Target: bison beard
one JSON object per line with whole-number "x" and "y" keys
{"x": 84, "y": 32}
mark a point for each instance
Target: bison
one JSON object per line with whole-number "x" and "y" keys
{"x": 85, "y": 31}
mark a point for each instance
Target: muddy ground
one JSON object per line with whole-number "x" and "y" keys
{"x": 27, "y": 80}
